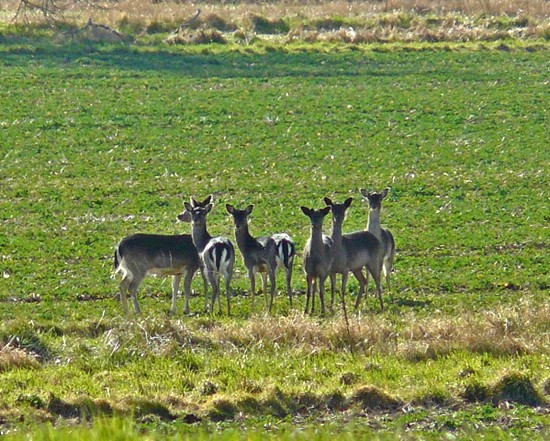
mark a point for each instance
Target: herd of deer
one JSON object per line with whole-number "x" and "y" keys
{"x": 323, "y": 256}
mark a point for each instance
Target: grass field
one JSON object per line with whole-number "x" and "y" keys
{"x": 100, "y": 141}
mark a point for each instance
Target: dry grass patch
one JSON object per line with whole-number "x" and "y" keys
{"x": 356, "y": 22}
{"x": 15, "y": 358}
{"x": 505, "y": 331}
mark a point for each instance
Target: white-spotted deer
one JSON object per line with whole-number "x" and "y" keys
{"x": 317, "y": 257}
{"x": 217, "y": 254}
{"x": 354, "y": 251}
{"x": 138, "y": 255}
{"x": 259, "y": 254}
{"x": 384, "y": 235}
{"x": 285, "y": 251}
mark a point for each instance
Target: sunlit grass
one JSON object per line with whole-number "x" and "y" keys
{"x": 100, "y": 141}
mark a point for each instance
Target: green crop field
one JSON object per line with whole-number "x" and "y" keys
{"x": 101, "y": 141}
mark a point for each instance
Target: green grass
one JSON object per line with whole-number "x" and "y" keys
{"x": 100, "y": 141}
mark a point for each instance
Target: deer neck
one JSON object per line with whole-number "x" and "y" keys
{"x": 336, "y": 234}
{"x": 243, "y": 237}
{"x": 200, "y": 236}
{"x": 317, "y": 245}
{"x": 373, "y": 225}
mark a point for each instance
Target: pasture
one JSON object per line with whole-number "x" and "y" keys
{"x": 101, "y": 141}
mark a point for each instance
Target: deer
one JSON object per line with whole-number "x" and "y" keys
{"x": 139, "y": 255}
{"x": 317, "y": 257}
{"x": 259, "y": 254}
{"x": 384, "y": 235}
{"x": 352, "y": 252}
{"x": 285, "y": 251}
{"x": 217, "y": 254}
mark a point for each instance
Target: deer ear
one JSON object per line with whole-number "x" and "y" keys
{"x": 249, "y": 209}
{"x": 328, "y": 201}
{"x": 185, "y": 216}
{"x": 348, "y": 202}
{"x": 208, "y": 208}
{"x": 230, "y": 209}
{"x": 207, "y": 200}
{"x": 324, "y": 211}
{"x": 364, "y": 192}
{"x": 188, "y": 206}
{"x": 305, "y": 210}
{"x": 385, "y": 192}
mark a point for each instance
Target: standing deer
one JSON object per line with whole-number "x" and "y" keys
{"x": 138, "y": 255}
{"x": 285, "y": 251}
{"x": 317, "y": 257}
{"x": 383, "y": 235}
{"x": 259, "y": 254}
{"x": 339, "y": 254}
{"x": 217, "y": 254}
{"x": 354, "y": 251}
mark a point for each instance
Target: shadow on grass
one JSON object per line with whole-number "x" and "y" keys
{"x": 230, "y": 64}
{"x": 411, "y": 303}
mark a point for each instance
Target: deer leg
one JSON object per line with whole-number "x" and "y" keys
{"x": 215, "y": 289}
{"x": 187, "y": 290}
{"x": 263, "y": 275}
{"x": 175, "y": 288}
{"x": 343, "y": 292}
{"x": 313, "y": 294}
{"x": 362, "y": 283}
{"x": 375, "y": 272}
{"x": 252, "y": 278}
{"x": 322, "y": 294}
{"x": 205, "y": 282}
{"x": 134, "y": 285}
{"x": 123, "y": 287}
{"x": 387, "y": 271}
{"x": 218, "y": 296}
{"x": 228, "y": 292}
{"x": 273, "y": 287}
{"x": 288, "y": 284}
{"x": 332, "y": 290}
{"x": 379, "y": 292}
{"x": 366, "y": 283}
{"x": 308, "y": 292}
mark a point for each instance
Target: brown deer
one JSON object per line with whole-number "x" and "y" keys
{"x": 353, "y": 252}
{"x": 259, "y": 254}
{"x": 141, "y": 254}
{"x": 383, "y": 235}
{"x": 317, "y": 257}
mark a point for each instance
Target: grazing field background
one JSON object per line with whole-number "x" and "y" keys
{"x": 100, "y": 140}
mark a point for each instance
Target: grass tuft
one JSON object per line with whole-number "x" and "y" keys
{"x": 15, "y": 358}
{"x": 143, "y": 408}
{"x": 262, "y": 25}
{"x": 222, "y": 409}
{"x": 372, "y": 398}
{"x": 216, "y": 21}
{"x": 29, "y": 341}
{"x": 475, "y": 392}
{"x": 517, "y": 388}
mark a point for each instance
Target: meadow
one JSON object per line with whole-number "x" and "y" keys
{"x": 99, "y": 141}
